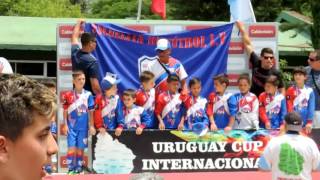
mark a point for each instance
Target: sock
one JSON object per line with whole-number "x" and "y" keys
{"x": 71, "y": 161}
{"x": 79, "y": 163}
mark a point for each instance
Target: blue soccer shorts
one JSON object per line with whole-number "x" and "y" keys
{"x": 77, "y": 138}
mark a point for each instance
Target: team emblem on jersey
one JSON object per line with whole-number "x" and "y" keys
{"x": 275, "y": 110}
{"x": 220, "y": 110}
{"x": 304, "y": 103}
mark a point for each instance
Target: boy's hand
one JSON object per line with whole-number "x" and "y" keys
{"x": 213, "y": 127}
{"x": 268, "y": 125}
{"x": 65, "y": 129}
{"x": 162, "y": 126}
{"x": 102, "y": 131}
{"x": 227, "y": 129}
{"x": 118, "y": 131}
{"x": 181, "y": 126}
{"x": 139, "y": 130}
{"x": 92, "y": 131}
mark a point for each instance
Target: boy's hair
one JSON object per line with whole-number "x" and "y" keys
{"x": 266, "y": 50}
{"x": 146, "y": 76}
{"x": 22, "y": 98}
{"x": 77, "y": 73}
{"x": 194, "y": 81}
{"x": 222, "y": 79}
{"x": 86, "y": 38}
{"x": 300, "y": 70}
{"x": 130, "y": 93}
{"x": 48, "y": 83}
{"x": 173, "y": 77}
{"x": 273, "y": 80}
{"x": 244, "y": 76}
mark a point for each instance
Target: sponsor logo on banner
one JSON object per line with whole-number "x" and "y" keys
{"x": 64, "y": 164}
{"x": 262, "y": 31}
{"x": 236, "y": 48}
{"x": 236, "y": 64}
{"x": 140, "y": 28}
{"x": 65, "y": 31}
{"x": 233, "y": 79}
{"x": 65, "y": 64}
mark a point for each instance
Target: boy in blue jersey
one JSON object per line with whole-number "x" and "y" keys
{"x": 135, "y": 117}
{"x": 222, "y": 106}
{"x": 108, "y": 107}
{"x": 195, "y": 108}
{"x": 301, "y": 99}
{"x": 247, "y": 116}
{"x": 78, "y": 106}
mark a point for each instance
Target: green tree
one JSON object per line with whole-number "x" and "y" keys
{"x": 120, "y": 9}
{"x": 39, "y": 8}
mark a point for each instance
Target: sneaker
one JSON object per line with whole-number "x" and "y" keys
{"x": 79, "y": 171}
{"x": 71, "y": 172}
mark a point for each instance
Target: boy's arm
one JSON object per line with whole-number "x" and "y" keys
{"x": 98, "y": 122}
{"x": 290, "y": 99}
{"x": 209, "y": 111}
{"x": 311, "y": 108}
{"x": 120, "y": 116}
{"x": 256, "y": 111}
{"x": 65, "y": 124}
{"x": 145, "y": 119}
{"x": 262, "y": 111}
{"x": 283, "y": 111}
{"x": 158, "y": 111}
{"x": 232, "y": 103}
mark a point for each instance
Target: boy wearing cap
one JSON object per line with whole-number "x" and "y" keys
{"x": 300, "y": 98}
{"x": 291, "y": 156}
{"x": 78, "y": 106}
{"x": 135, "y": 117}
{"x": 169, "y": 105}
{"x": 165, "y": 65}
{"x": 108, "y": 107}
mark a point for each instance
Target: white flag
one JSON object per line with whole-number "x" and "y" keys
{"x": 241, "y": 10}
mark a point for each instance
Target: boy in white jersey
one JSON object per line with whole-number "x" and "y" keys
{"x": 291, "y": 156}
{"x": 247, "y": 116}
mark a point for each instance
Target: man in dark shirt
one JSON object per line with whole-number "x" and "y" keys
{"x": 262, "y": 67}
{"x": 82, "y": 59}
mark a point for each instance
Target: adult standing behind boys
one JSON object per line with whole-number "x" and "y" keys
{"x": 83, "y": 60}
{"x": 262, "y": 67}
{"x": 313, "y": 80}
{"x": 165, "y": 65}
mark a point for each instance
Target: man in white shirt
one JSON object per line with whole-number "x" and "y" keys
{"x": 291, "y": 156}
{"x": 163, "y": 65}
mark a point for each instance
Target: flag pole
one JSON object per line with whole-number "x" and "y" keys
{"x": 139, "y": 10}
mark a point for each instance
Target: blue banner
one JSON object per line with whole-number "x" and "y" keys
{"x": 203, "y": 52}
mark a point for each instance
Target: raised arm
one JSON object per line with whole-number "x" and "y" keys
{"x": 245, "y": 38}
{"x": 76, "y": 31}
